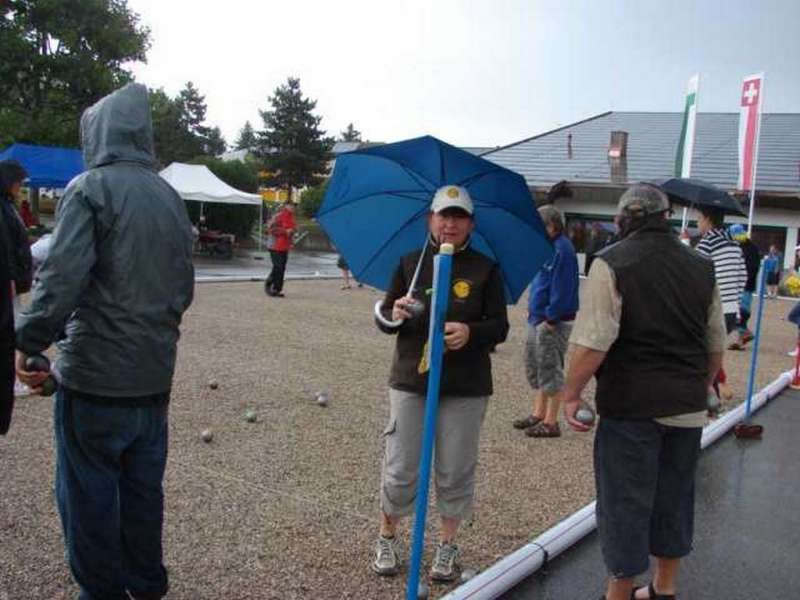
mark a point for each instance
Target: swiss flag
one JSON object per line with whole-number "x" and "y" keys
{"x": 749, "y": 123}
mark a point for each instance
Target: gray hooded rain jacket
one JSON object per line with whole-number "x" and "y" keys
{"x": 119, "y": 273}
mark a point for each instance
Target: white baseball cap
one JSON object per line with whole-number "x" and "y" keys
{"x": 451, "y": 196}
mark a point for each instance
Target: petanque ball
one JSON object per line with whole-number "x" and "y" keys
{"x": 322, "y": 398}
{"x": 585, "y": 415}
{"x": 415, "y": 307}
{"x": 49, "y": 386}
{"x": 37, "y": 362}
{"x": 423, "y": 591}
{"x": 467, "y": 574}
{"x": 206, "y": 435}
{"x": 250, "y": 416}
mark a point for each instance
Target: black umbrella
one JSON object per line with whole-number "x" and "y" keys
{"x": 695, "y": 193}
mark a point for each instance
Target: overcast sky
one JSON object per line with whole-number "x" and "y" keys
{"x": 472, "y": 73}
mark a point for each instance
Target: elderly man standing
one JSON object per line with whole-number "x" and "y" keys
{"x": 651, "y": 331}
{"x": 552, "y": 305}
{"x": 113, "y": 289}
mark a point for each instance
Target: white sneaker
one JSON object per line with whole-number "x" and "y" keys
{"x": 388, "y": 556}
{"x": 792, "y": 353}
{"x": 445, "y": 563}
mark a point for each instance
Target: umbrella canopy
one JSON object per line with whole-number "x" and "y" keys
{"x": 696, "y": 193}
{"x": 376, "y": 206}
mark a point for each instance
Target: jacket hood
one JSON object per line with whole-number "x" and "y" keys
{"x": 118, "y": 127}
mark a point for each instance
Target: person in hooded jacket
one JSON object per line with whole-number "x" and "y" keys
{"x": 15, "y": 277}
{"x": 113, "y": 289}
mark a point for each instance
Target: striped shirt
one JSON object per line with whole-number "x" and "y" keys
{"x": 729, "y": 266}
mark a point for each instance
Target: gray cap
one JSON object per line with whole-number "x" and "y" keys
{"x": 642, "y": 199}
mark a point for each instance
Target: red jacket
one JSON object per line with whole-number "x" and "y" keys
{"x": 281, "y": 227}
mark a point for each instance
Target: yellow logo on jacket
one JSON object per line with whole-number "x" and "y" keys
{"x": 461, "y": 288}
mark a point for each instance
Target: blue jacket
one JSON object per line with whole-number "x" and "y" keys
{"x": 554, "y": 290}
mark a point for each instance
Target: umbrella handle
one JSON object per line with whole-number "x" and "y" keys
{"x": 383, "y": 320}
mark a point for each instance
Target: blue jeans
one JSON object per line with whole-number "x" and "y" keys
{"x": 110, "y": 461}
{"x": 644, "y": 472}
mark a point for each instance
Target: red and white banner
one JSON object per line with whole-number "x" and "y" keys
{"x": 749, "y": 125}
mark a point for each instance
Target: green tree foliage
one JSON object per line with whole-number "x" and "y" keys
{"x": 178, "y": 130}
{"x": 247, "y": 139}
{"x": 172, "y": 140}
{"x": 57, "y": 57}
{"x": 235, "y": 219}
{"x": 294, "y": 149}
{"x": 214, "y": 143}
{"x": 351, "y": 134}
{"x": 311, "y": 199}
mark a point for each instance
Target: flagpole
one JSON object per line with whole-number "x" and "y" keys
{"x": 687, "y": 144}
{"x": 760, "y": 106}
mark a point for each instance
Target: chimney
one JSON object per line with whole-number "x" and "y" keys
{"x": 618, "y": 148}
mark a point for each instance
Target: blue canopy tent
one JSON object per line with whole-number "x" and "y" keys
{"x": 47, "y": 166}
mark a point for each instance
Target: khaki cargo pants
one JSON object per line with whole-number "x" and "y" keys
{"x": 455, "y": 453}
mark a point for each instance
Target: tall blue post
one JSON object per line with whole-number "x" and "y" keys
{"x": 442, "y": 264}
{"x": 750, "y": 384}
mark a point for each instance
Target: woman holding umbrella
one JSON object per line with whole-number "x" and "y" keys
{"x": 476, "y": 321}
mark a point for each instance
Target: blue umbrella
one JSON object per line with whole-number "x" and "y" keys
{"x": 377, "y": 202}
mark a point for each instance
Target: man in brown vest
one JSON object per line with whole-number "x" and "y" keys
{"x": 651, "y": 331}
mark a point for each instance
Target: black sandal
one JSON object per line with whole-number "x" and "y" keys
{"x": 528, "y": 421}
{"x": 651, "y": 593}
{"x": 543, "y": 430}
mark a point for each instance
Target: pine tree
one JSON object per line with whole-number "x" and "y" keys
{"x": 193, "y": 109}
{"x": 215, "y": 144}
{"x": 247, "y": 138}
{"x": 351, "y": 134}
{"x": 294, "y": 149}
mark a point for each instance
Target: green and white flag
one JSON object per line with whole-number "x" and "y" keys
{"x": 683, "y": 157}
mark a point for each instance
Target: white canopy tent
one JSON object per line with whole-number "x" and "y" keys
{"x": 198, "y": 183}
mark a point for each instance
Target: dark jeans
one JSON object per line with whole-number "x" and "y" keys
{"x": 644, "y": 474}
{"x": 110, "y": 460}
{"x": 274, "y": 282}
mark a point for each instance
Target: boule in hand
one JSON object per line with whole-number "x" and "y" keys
{"x": 414, "y": 307}
{"x": 585, "y": 415}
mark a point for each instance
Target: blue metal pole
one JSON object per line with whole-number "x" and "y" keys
{"x": 750, "y": 384}
{"x": 442, "y": 264}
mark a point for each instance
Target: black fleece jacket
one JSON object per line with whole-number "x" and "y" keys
{"x": 477, "y": 298}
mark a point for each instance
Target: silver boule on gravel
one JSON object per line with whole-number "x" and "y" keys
{"x": 250, "y": 416}
{"x": 468, "y": 574}
{"x": 423, "y": 591}
{"x": 585, "y": 415}
{"x": 213, "y": 384}
{"x": 206, "y": 435}
{"x": 322, "y": 398}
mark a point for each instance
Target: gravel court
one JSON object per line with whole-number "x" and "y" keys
{"x": 285, "y": 507}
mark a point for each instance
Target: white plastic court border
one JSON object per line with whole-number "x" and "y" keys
{"x": 515, "y": 567}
